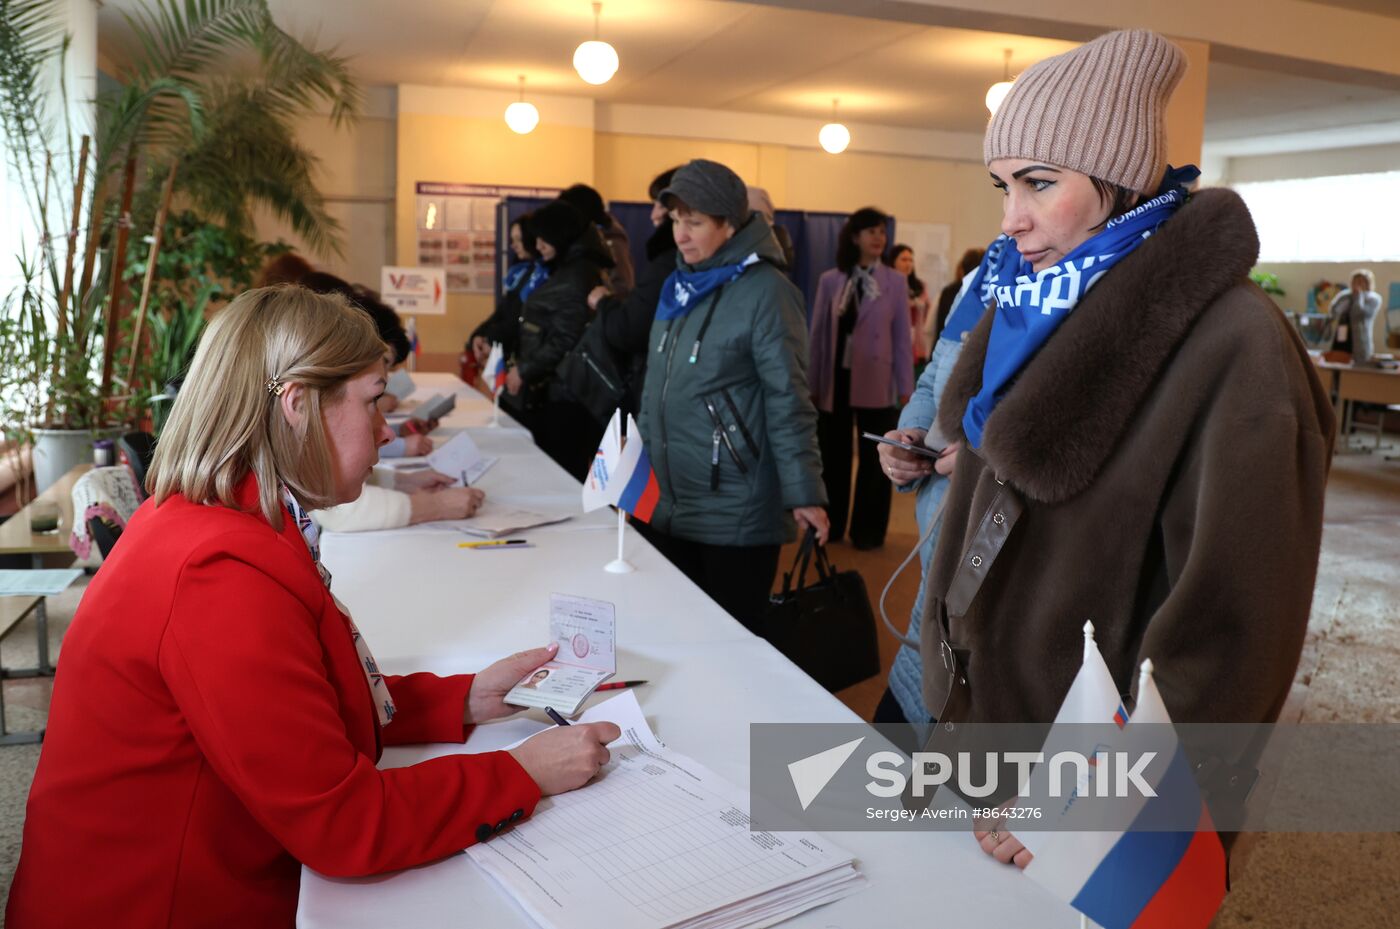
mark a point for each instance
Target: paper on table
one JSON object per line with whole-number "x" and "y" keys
{"x": 435, "y": 407}
{"x": 22, "y": 583}
{"x": 459, "y": 457}
{"x": 401, "y": 385}
{"x": 658, "y": 841}
{"x": 493, "y": 520}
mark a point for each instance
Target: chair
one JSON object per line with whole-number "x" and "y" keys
{"x": 103, "y": 500}
{"x": 137, "y": 449}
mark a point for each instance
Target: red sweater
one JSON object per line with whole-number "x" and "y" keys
{"x": 211, "y": 729}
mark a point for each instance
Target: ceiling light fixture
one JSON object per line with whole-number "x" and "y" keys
{"x": 998, "y": 91}
{"x": 522, "y": 117}
{"x": 595, "y": 60}
{"x": 834, "y": 137}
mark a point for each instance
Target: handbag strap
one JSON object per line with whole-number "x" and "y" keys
{"x": 808, "y": 553}
{"x": 799, "y": 563}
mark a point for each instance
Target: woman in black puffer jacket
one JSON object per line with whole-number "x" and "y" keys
{"x": 552, "y": 319}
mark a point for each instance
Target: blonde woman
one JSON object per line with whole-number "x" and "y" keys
{"x": 218, "y": 717}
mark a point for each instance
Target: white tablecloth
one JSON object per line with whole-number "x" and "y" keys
{"x": 426, "y": 605}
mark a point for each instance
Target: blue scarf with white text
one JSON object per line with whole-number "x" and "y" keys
{"x": 1031, "y": 305}
{"x": 527, "y": 275}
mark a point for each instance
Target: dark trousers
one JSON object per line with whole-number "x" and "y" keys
{"x": 870, "y": 514}
{"x": 737, "y": 577}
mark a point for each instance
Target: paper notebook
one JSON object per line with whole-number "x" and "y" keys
{"x": 659, "y": 841}
{"x": 435, "y": 407}
{"x": 401, "y": 385}
{"x": 459, "y": 458}
{"x": 585, "y": 631}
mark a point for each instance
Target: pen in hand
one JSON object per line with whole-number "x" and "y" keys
{"x": 553, "y": 714}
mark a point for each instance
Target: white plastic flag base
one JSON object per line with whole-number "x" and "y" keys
{"x": 620, "y": 565}
{"x": 495, "y": 410}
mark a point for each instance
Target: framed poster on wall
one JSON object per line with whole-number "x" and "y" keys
{"x": 456, "y": 230}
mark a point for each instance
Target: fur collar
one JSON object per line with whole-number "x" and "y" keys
{"x": 1059, "y": 422}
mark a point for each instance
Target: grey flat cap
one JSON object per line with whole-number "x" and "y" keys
{"x": 711, "y": 188}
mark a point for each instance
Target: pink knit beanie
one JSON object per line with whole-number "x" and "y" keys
{"x": 1099, "y": 109}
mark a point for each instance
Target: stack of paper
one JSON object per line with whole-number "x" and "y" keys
{"x": 659, "y": 841}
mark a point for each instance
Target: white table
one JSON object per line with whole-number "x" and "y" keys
{"x": 425, "y": 604}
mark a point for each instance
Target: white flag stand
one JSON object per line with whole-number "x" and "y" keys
{"x": 495, "y": 408}
{"x": 620, "y": 565}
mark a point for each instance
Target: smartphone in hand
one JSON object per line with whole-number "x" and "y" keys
{"x": 916, "y": 449}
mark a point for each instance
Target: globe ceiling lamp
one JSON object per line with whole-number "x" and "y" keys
{"x": 998, "y": 91}
{"x": 595, "y": 60}
{"x": 834, "y": 137}
{"x": 522, "y": 117}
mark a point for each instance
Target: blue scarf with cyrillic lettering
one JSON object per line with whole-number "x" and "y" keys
{"x": 1031, "y": 305}
{"x": 532, "y": 273}
{"x": 684, "y": 289}
{"x": 978, "y": 294}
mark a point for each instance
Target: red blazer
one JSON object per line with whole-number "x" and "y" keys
{"x": 211, "y": 729}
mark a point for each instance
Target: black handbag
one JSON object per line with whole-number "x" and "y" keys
{"x": 827, "y": 627}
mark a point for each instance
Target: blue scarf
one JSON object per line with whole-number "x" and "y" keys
{"x": 532, "y": 273}
{"x": 978, "y": 295}
{"x": 1031, "y": 305}
{"x": 684, "y": 289}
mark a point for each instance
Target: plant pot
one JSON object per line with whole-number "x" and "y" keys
{"x": 58, "y": 451}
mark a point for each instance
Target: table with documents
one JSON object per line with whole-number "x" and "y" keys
{"x": 426, "y": 605}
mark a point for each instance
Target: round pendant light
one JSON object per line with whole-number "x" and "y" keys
{"x": 998, "y": 91}
{"x": 595, "y": 60}
{"x": 522, "y": 117}
{"x": 834, "y": 137}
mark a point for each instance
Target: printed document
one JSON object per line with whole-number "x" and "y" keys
{"x": 658, "y": 840}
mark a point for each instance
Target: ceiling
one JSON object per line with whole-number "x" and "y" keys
{"x": 1379, "y": 7}
{"x": 1244, "y": 102}
{"x": 716, "y": 54}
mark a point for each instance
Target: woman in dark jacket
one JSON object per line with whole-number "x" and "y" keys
{"x": 620, "y": 277}
{"x": 1144, "y": 441}
{"x": 525, "y": 273}
{"x": 605, "y": 370}
{"x": 552, "y": 320}
{"x": 726, "y": 414}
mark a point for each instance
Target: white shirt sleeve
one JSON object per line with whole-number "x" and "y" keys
{"x": 376, "y": 508}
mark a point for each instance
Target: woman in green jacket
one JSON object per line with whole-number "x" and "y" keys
{"x": 726, "y": 412}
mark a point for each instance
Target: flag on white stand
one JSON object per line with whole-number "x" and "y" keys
{"x": 1092, "y": 699}
{"x": 605, "y": 462}
{"x": 494, "y": 371}
{"x": 1166, "y": 870}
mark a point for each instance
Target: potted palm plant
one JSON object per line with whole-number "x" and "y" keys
{"x": 184, "y": 126}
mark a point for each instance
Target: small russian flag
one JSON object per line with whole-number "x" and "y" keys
{"x": 494, "y": 372}
{"x": 1120, "y": 717}
{"x": 632, "y": 488}
{"x": 1166, "y": 870}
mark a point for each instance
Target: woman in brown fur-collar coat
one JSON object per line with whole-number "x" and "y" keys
{"x": 1144, "y": 441}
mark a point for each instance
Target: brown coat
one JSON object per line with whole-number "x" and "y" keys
{"x": 1164, "y": 458}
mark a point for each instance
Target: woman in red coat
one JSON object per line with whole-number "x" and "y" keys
{"x": 217, "y": 717}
